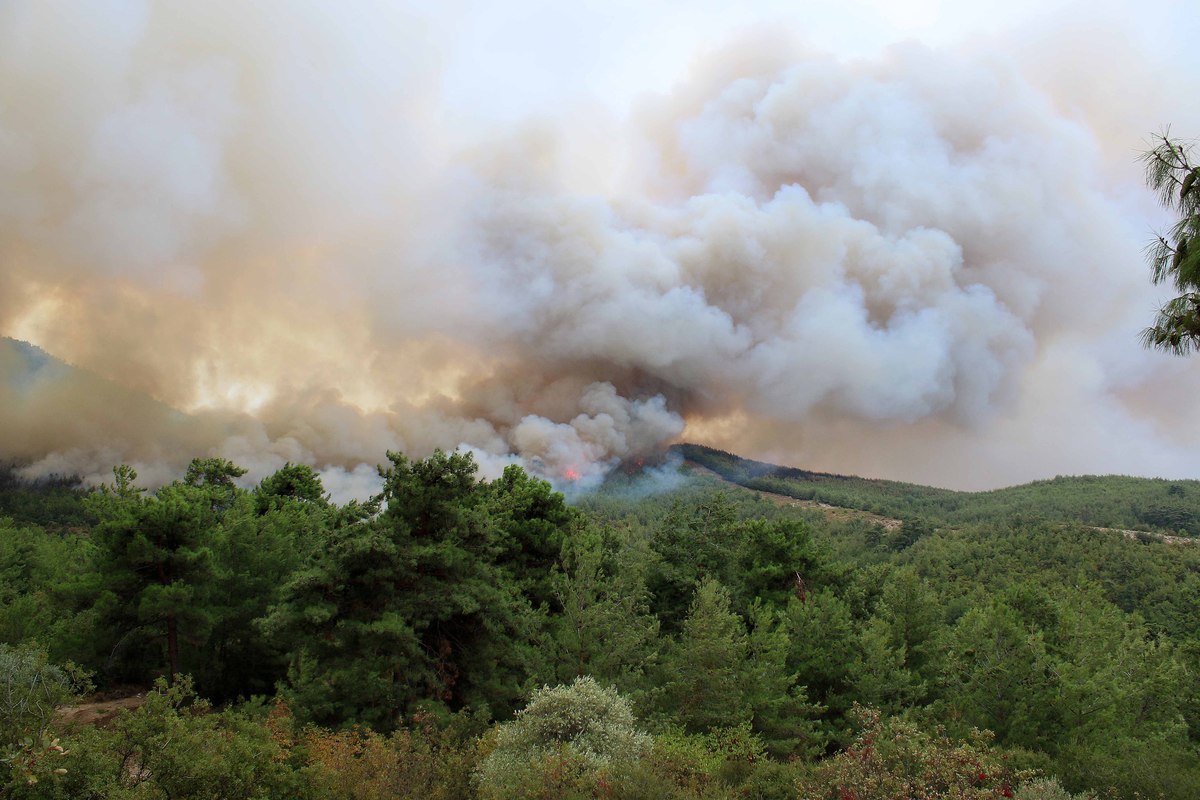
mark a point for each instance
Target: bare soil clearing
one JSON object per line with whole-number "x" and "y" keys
{"x": 98, "y": 712}
{"x": 1161, "y": 537}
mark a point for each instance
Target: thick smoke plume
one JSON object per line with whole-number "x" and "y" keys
{"x": 256, "y": 231}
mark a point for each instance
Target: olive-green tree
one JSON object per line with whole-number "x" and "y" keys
{"x": 567, "y": 738}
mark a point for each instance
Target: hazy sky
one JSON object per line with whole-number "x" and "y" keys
{"x": 900, "y": 239}
{"x": 504, "y": 61}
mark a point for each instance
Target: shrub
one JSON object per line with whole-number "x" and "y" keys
{"x": 31, "y": 689}
{"x": 568, "y": 738}
{"x": 895, "y": 760}
{"x": 426, "y": 762}
{"x": 175, "y": 746}
{"x": 1048, "y": 789}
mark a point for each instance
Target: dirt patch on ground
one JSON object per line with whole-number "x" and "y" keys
{"x": 843, "y": 514}
{"x": 98, "y": 712}
{"x": 1161, "y": 537}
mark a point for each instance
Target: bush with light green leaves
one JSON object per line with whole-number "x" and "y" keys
{"x": 31, "y": 689}
{"x": 1049, "y": 789}
{"x": 566, "y": 739}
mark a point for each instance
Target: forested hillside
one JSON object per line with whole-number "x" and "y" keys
{"x": 691, "y": 638}
{"x": 1111, "y": 501}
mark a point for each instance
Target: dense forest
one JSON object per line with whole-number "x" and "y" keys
{"x": 720, "y": 634}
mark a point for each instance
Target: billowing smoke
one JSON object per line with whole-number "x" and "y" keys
{"x": 260, "y": 235}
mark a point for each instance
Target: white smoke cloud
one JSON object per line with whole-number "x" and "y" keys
{"x": 924, "y": 264}
{"x": 609, "y": 429}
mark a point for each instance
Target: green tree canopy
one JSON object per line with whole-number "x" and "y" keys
{"x": 155, "y": 556}
{"x": 290, "y": 483}
{"x": 423, "y": 601}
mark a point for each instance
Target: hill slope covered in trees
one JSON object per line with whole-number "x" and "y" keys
{"x": 696, "y": 641}
{"x": 1109, "y": 501}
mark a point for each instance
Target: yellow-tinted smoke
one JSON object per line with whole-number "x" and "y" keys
{"x": 249, "y": 225}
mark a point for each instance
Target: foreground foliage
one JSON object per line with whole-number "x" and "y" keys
{"x": 582, "y": 734}
{"x": 454, "y": 637}
{"x": 893, "y": 759}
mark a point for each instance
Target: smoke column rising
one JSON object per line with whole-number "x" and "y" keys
{"x": 263, "y": 236}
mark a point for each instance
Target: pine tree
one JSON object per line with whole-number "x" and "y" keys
{"x": 156, "y": 560}
{"x": 780, "y": 712}
{"x": 823, "y": 649}
{"x": 999, "y": 676}
{"x": 880, "y": 675}
{"x": 416, "y": 603}
{"x": 706, "y": 688}
{"x": 692, "y": 543}
{"x": 604, "y": 628}
{"x": 264, "y": 538}
{"x": 776, "y": 560}
{"x": 1175, "y": 256}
